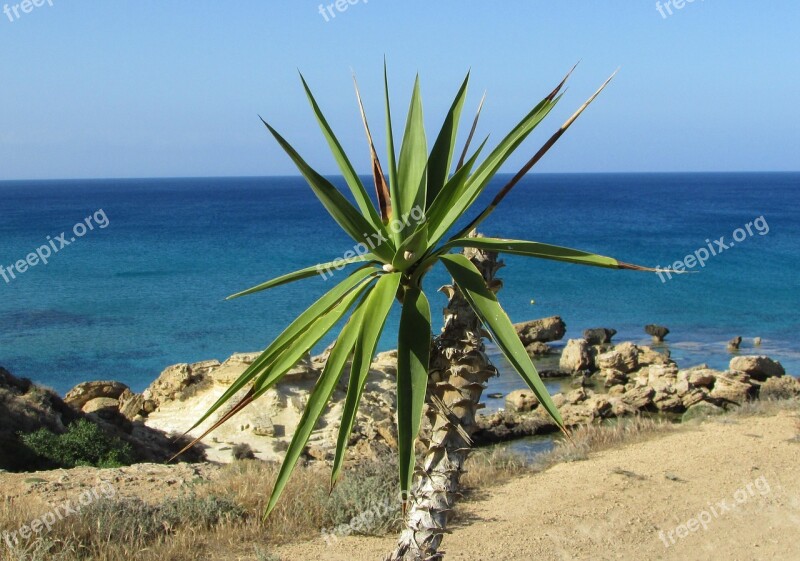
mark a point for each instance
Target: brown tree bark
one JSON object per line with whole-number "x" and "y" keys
{"x": 459, "y": 372}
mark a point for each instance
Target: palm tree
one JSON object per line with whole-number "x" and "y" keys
{"x": 399, "y": 241}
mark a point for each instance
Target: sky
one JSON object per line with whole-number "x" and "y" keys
{"x": 162, "y": 89}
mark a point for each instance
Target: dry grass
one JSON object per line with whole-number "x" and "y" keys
{"x": 214, "y": 519}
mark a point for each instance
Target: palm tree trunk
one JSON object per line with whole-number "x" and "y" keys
{"x": 459, "y": 372}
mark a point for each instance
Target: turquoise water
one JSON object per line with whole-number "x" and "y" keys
{"x": 124, "y": 301}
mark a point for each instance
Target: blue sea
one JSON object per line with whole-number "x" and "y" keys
{"x": 147, "y": 290}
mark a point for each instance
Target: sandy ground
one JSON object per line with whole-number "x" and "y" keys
{"x": 738, "y": 477}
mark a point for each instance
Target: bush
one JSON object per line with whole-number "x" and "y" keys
{"x": 367, "y": 499}
{"x": 84, "y": 444}
{"x": 243, "y": 451}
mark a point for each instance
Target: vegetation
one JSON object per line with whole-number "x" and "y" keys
{"x": 83, "y": 444}
{"x": 411, "y": 230}
{"x": 220, "y": 518}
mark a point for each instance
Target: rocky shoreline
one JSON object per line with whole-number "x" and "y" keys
{"x": 609, "y": 381}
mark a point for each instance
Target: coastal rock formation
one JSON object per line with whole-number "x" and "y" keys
{"x": 734, "y": 344}
{"x": 641, "y": 380}
{"x": 576, "y": 357}
{"x": 521, "y": 401}
{"x": 657, "y": 332}
{"x": 599, "y": 335}
{"x": 615, "y": 381}
{"x": 538, "y": 349}
{"x": 85, "y": 392}
{"x": 543, "y": 330}
{"x": 26, "y": 407}
{"x": 184, "y": 392}
{"x": 623, "y": 357}
{"x": 758, "y": 367}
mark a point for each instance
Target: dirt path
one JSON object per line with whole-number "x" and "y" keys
{"x": 738, "y": 477}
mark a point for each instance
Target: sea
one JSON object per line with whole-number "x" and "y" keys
{"x": 137, "y": 270}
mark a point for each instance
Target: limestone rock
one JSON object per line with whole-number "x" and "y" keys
{"x": 100, "y": 404}
{"x": 624, "y": 358}
{"x": 758, "y": 367}
{"x": 81, "y": 394}
{"x": 613, "y": 377}
{"x": 647, "y": 356}
{"x": 657, "y": 332}
{"x": 541, "y": 330}
{"x": 733, "y": 344}
{"x": 599, "y": 335}
{"x": 131, "y": 405}
{"x": 732, "y": 388}
{"x": 538, "y": 349}
{"x": 263, "y": 426}
{"x": 521, "y": 401}
{"x": 576, "y": 357}
{"x": 668, "y": 402}
{"x": 172, "y": 384}
{"x": 639, "y": 398}
{"x": 694, "y": 396}
{"x": 699, "y": 378}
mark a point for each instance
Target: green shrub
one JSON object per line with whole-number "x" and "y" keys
{"x": 367, "y": 499}
{"x": 84, "y": 444}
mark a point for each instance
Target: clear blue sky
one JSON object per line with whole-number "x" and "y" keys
{"x": 155, "y": 88}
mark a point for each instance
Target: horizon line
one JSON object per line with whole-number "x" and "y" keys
{"x": 284, "y": 176}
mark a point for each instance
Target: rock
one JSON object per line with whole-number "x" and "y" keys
{"x": 576, "y": 396}
{"x": 503, "y": 426}
{"x": 538, "y": 349}
{"x": 732, "y": 388}
{"x": 733, "y": 344}
{"x": 617, "y": 390}
{"x": 599, "y": 335}
{"x": 541, "y": 330}
{"x": 263, "y": 426}
{"x": 600, "y": 406}
{"x": 388, "y": 432}
{"x": 758, "y": 367}
{"x": 26, "y": 407}
{"x": 667, "y": 402}
{"x": 701, "y": 410}
{"x": 624, "y": 358}
{"x": 576, "y": 357}
{"x": 173, "y": 384}
{"x": 757, "y": 341}
{"x": 657, "y": 332}
{"x": 648, "y": 356}
{"x": 682, "y": 387}
{"x": 784, "y": 387}
{"x": 700, "y": 378}
{"x": 559, "y": 400}
{"x": 317, "y": 453}
{"x": 694, "y": 396}
{"x": 619, "y": 408}
{"x": 495, "y": 396}
{"x": 658, "y": 374}
{"x": 521, "y": 401}
{"x": 100, "y": 404}
{"x": 613, "y": 377}
{"x": 81, "y": 394}
{"x": 578, "y": 414}
{"x": 131, "y": 405}
{"x": 639, "y": 398}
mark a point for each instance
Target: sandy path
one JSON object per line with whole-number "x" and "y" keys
{"x": 614, "y": 505}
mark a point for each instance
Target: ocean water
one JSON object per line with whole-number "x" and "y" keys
{"x": 147, "y": 290}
